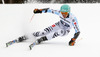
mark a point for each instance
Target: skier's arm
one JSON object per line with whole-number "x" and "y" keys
{"x": 76, "y": 27}
{"x": 77, "y": 31}
{"x": 46, "y": 10}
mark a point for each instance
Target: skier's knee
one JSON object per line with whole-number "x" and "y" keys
{"x": 36, "y": 34}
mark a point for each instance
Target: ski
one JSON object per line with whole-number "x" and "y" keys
{"x": 11, "y": 42}
{"x": 20, "y": 39}
{"x": 32, "y": 45}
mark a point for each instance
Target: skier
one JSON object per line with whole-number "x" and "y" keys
{"x": 61, "y": 28}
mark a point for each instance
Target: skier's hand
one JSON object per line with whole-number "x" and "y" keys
{"x": 72, "y": 42}
{"x": 37, "y": 11}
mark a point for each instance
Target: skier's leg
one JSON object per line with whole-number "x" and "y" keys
{"x": 49, "y": 37}
{"x": 52, "y": 35}
{"x": 43, "y": 32}
{"x": 47, "y": 30}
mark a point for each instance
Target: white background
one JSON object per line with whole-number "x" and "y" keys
{"x": 15, "y": 22}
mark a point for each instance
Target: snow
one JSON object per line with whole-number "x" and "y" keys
{"x": 15, "y": 22}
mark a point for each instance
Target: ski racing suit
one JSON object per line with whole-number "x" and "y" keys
{"x": 60, "y": 28}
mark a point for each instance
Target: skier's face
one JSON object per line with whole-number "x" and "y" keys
{"x": 64, "y": 14}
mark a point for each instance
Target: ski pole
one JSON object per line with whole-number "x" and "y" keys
{"x": 32, "y": 18}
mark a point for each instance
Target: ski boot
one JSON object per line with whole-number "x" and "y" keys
{"x": 38, "y": 41}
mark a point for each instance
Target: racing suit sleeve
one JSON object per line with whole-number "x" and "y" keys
{"x": 47, "y": 10}
{"x": 76, "y": 27}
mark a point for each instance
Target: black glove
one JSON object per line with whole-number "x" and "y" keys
{"x": 40, "y": 10}
{"x": 37, "y": 11}
{"x": 72, "y": 42}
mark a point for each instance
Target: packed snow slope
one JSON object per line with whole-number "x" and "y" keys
{"x": 15, "y": 22}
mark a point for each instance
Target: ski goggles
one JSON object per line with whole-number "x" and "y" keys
{"x": 64, "y": 13}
